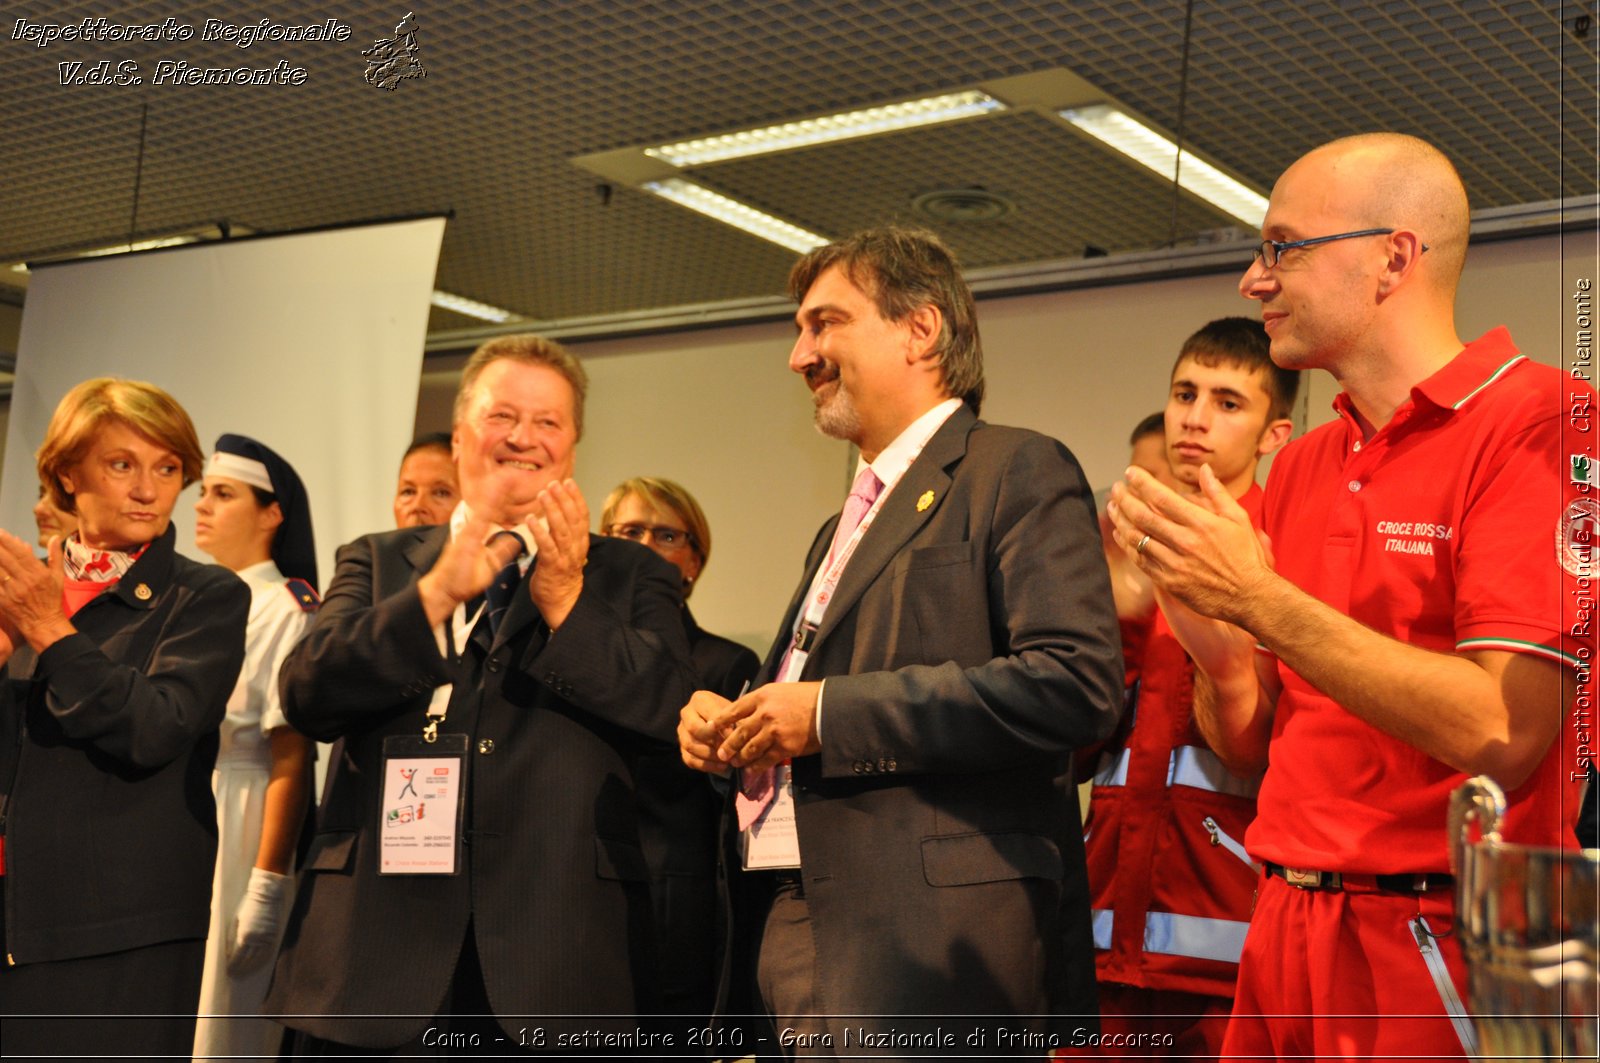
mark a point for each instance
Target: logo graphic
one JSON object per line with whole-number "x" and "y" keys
{"x": 392, "y": 60}
{"x": 1575, "y": 537}
{"x": 410, "y": 776}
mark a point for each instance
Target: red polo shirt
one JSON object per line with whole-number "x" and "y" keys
{"x": 1444, "y": 531}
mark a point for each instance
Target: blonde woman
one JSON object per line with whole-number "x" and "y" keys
{"x": 118, "y": 657}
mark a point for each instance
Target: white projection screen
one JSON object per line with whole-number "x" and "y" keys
{"x": 310, "y": 342}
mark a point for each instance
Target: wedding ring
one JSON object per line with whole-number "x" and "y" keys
{"x": 1139, "y": 547}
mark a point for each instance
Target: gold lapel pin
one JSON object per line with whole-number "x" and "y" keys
{"x": 925, "y": 501}
{"x": 143, "y": 592}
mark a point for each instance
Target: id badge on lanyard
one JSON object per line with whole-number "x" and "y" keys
{"x": 420, "y": 819}
{"x": 423, "y": 812}
{"x": 773, "y": 840}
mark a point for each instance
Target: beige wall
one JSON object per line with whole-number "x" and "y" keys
{"x": 719, "y": 411}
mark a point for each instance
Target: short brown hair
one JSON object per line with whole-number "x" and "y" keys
{"x": 529, "y": 349}
{"x": 1242, "y": 342}
{"x": 85, "y": 410}
{"x": 439, "y": 441}
{"x": 1153, "y": 425}
{"x": 901, "y": 270}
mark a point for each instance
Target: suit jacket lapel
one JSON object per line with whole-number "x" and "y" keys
{"x": 424, "y": 550}
{"x": 901, "y": 515}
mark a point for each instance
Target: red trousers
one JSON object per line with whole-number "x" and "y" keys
{"x": 1338, "y": 975}
{"x": 1190, "y": 1026}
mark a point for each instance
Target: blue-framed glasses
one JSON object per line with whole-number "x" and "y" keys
{"x": 1271, "y": 250}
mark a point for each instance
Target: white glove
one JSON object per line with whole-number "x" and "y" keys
{"x": 259, "y": 921}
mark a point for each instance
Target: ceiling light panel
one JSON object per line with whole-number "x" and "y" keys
{"x": 734, "y": 213}
{"x": 472, "y": 308}
{"x": 1076, "y": 192}
{"x": 869, "y": 121}
{"x": 1151, "y": 149}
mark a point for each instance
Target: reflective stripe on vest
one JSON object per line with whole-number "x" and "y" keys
{"x": 1186, "y": 766}
{"x": 1113, "y": 772}
{"x": 1178, "y": 935}
{"x": 1200, "y": 768}
{"x": 1100, "y": 920}
{"x": 1193, "y": 935}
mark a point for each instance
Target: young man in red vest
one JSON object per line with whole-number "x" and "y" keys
{"x": 1171, "y": 886}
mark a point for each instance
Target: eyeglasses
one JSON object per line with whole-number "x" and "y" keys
{"x": 663, "y": 536}
{"x": 1271, "y": 250}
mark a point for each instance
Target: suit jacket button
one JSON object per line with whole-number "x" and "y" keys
{"x": 492, "y": 664}
{"x": 485, "y": 746}
{"x": 892, "y": 765}
{"x": 856, "y": 767}
{"x": 883, "y": 764}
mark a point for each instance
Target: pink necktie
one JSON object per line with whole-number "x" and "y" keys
{"x": 758, "y": 788}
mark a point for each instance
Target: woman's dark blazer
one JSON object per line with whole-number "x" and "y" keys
{"x": 107, "y": 741}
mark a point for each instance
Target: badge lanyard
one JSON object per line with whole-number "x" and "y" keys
{"x": 421, "y": 819}
{"x": 823, "y": 587}
{"x": 772, "y": 841}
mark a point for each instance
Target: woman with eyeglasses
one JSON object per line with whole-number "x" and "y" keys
{"x": 118, "y": 657}
{"x": 678, "y": 808}
{"x": 665, "y": 517}
{"x": 253, "y": 517}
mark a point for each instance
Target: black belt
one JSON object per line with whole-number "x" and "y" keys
{"x": 1421, "y": 882}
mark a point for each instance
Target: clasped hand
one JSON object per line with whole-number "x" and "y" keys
{"x": 1202, "y": 551}
{"x": 760, "y": 730}
{"x": 559, "y": 527}
{"x": 30, "y": 595}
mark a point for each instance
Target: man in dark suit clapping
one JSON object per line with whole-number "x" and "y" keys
{"x": 523, "y": 665}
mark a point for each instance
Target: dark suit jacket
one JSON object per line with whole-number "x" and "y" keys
{"x": 554, "y": 882}
{"x": 720, "y": 664}
{"x": 679, "y": 812}
{"x": 970, "y": 646}
{"x": 107, "y": 741}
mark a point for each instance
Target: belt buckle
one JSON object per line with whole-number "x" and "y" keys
{"x": 1311, "y": 880}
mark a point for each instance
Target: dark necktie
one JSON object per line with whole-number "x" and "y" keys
{"x": 497, "y": 596}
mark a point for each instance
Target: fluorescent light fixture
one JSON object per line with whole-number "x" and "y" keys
{"x": 122, "y": 249}
{"x": 843, "y": 126}
{"x": 1149, "y": 148}
{"x": 471, "y": 307}
{"x": 732, "y": 212}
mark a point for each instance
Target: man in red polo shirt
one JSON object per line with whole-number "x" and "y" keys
{"x": 1170, "y": 884}
{"x": 1408, "y": 606}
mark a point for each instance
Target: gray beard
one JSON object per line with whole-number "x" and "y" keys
{"x": 836, "y": 415}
